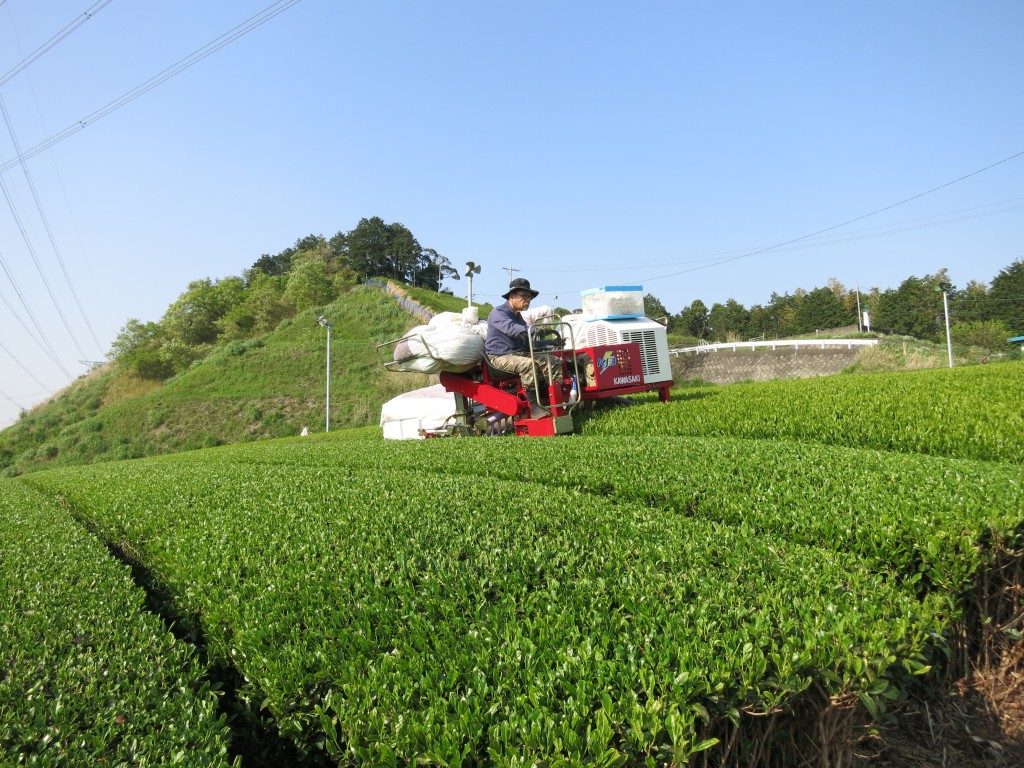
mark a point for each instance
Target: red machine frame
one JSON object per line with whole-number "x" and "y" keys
{"x": 490, "y": 401}
{"x": 617, "y": 370}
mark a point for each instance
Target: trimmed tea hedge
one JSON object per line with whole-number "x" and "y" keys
{"x": 971, "y": 413}
{"x": 390, "y": 615}
{"x": 938, "y": 519}
{"x": 89, "y": 677}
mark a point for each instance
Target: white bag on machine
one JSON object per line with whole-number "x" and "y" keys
{"x": 541, "y": 314}
{"x": 449, "y": 342}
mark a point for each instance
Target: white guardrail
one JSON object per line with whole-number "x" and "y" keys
{"x": 777, "y": 343}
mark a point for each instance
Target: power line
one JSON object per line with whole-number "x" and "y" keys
{"x": 213, "y": 46}
{"x": 980, "y": 300}
{"x": 22, "y": 366}
{"x": 39, "y": 267}
{"x": 882, "y": 230}
{"x": 53, "y": 242}
{"x": 45, "y": 343}
{"x": 4, "y": 395}
{"x": 88, "y": 14}
{"x": 20, "y": 321}
{"x": 842, "y": 224}
{"x": 238, "y": 31}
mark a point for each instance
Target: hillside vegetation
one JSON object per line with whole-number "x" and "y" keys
{"x": 763, "y": 587}
{"x": 269, "y": 386}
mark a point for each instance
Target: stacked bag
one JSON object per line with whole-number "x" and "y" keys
{"x": 451, "y": 341}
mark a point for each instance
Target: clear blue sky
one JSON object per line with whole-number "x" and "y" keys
{"x": 582, "y": 143}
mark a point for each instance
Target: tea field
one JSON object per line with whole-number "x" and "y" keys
{"x": 740, "y": 576}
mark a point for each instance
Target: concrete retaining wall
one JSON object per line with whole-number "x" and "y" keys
{"x": 413, "y": 307}
{"x": 727, "y": 367}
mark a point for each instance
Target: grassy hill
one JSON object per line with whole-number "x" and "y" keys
{"x": 267, "y": 387}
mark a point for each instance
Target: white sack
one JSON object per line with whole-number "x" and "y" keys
{"x": 402, "y": 417}
{"x": 446, "y": 343}
{"x": 579, "y": 331}
{"x": 540, "y": 314}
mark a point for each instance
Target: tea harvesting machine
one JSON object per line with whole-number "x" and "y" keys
{"x": 583, "y": 361}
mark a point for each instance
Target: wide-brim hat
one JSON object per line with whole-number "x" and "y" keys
{"x": 521, "y": 284}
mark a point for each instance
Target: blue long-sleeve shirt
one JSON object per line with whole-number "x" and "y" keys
{"x": 506, "y": 332}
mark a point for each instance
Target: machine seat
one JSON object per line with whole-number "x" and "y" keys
{"x": 496, "y": 374}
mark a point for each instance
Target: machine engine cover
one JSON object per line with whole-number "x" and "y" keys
{"x": 616, "y": 365}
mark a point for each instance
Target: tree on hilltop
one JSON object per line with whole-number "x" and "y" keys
{"x": 915, "y": 308}
{"x": 693, "y": 320}
{"x": 728, "y": 322}
{"x": 193, "y": 318}
{"x": 823, "y": 308}
{"x": 372, "y": 249}
{"x": 443, "y": 265}
{"x": 1006, "y": 297}
{"x": 376, "y": 249}
{"x": 271, "y": 265}
{"x": 653, "y": 307}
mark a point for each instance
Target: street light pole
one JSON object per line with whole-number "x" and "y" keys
{"x": 860, "y": 317}
{"x": 471, "y": 269}
{"x": 324, "y": 322}
{"x": 944, "y": 287}
{"x": 949, "y": 338}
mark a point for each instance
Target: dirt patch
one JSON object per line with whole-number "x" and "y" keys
{"x": 977, "y": 722}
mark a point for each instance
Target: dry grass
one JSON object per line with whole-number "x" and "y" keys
{"x": 92, "y": 375}
{"x": 898, "y": 356}
{"x": 129, "y": 386}
{"x": 394, "y": 383}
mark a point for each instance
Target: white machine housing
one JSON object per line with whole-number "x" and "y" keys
{"x": 652, "y": 337}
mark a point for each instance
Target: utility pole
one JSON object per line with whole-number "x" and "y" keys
{"x": 860, "y": 325}
{"x": 510, "y": 271}
{"x": 324, "y": 322}
{"x": 944, "y": 287}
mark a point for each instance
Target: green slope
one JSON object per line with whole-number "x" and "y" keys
{"x": 267, "y": 387}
